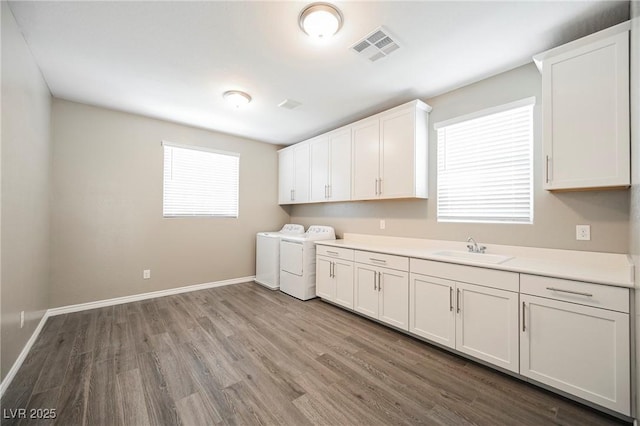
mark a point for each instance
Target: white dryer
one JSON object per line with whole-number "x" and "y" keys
{"x": 298, "y": 261}
{"x": 268, "y": 254}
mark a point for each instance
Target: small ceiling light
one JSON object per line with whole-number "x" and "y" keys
{"x": 236, "y": 98}
{"x": 320, "y": 20}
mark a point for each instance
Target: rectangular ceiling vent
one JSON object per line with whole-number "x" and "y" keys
{"x": 376, "y": 45}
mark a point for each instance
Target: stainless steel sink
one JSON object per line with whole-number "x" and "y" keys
{"x": 494, "y": 259}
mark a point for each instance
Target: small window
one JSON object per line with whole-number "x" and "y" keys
{"x": 485, "y": 171}
{"x": 200, "y": 182}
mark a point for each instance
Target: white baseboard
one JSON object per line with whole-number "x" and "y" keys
{"x": 23, "y": 355}
{"x": 143, "y": 296}
{"x": 103, "y": 303}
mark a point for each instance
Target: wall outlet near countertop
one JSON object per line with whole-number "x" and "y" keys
{"x": 383, "y": 224}
{"x": 583, "y": 232}
{"x": 146, "y": 274}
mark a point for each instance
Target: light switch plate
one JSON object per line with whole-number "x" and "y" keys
{"x": 146, "y": 274}
{"x": 583, "y": 232}
{"x": 383, "y": 224}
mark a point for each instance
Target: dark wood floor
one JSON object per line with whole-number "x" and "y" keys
{"x": 243, "y": 354}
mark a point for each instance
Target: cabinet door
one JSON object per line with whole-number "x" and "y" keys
{"x": 397, "y": 159}
{"x": 285, "y": 176}
{"x": 366, "y": 290}
{"x": 325, "y": 283}
{"x": 487, "y": 324}
{"x": 586, "y": 116}
{"x": 366, "y": 154}
{"x": 343, "y": 272}
{"x": 319, "y": 168}
{"x": 393, "y": 287}
{"x": 301, "y": 173}
{"x": 578, "y": 349}
{"x": 340, "y": 165}
{"x": 431, "y": 310}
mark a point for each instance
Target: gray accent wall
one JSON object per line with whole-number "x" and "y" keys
{"x": 107, "y": 224}
{"x": 25, "y": 175}
{"x": 555, "y": 214}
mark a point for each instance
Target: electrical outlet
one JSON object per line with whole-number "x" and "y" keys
{"x": 146, "y": 274}
{"x": 21, "y": 319}
{"x": 583, "y": 232}
{"x": 383, "y": 224}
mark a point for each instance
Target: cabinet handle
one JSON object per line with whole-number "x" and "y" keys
{"x": 325, "y": 191}
{"x": 580, "y": 293}
{"x": 458, "y": 300}
{"x": 335, "y": 253}
{"x": 330, "y": 191}
{"x": 524, "y": 327}
{"x": 450, "y": 299}
{"x": 379, "y": 281}
{"x": 333, "y": 269}
{"x": 547, "y": 169}
{"x": 380, "y": 186}
{"x": 375, "y": 284}
{"x": 376, "y": 186}
{"x": 291, "y": 194}
{"x": 377, "y": 260}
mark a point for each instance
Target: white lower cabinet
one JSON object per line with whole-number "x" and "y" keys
{"x": 473, "y": 319}
{"x": 578, "y": 349}
{"x": 334, "y": 275}
{"x": 382, "y": 293}
{"x": 487, "y": 324}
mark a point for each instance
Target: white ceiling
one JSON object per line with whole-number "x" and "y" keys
{"x": 173, "y": 60}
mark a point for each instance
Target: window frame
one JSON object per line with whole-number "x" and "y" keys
{"x": 529, "y": 102}
{"x": 165, "y": 144}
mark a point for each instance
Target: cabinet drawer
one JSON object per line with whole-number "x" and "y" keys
{"x": 503, "y": 280}
{"x": 597, "y": 295}
{"x": 386, "y": 260}
{"x": 336, "y": 252}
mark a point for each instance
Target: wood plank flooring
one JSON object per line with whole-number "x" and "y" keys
{"x": 244, "y": 355}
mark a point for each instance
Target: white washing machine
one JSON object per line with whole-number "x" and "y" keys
{"x": 298, "y": 261}
{"x": 268, "y": 254}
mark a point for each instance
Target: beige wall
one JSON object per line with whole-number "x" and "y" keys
{"x": 26, "y": 110}
{"x": 107, "y": 223}
{"x": 555, "y": 215}
{"x": 634, "y": 246}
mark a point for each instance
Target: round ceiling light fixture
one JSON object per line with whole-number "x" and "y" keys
{"x": 236, "y": 98}
{"x": 320, "y": 20}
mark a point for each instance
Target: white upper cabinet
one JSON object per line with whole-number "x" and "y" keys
{"x": 366, "y": 159}
{"x": 331, "y": 166}
{"x": 390, "y": 154}
{"x": 585, "y": 107}
{"x": 293, "y": 174}
{"x": 383, "y": 156}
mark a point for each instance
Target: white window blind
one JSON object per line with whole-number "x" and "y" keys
{"x": 485, "y": 171}
{"x": 200, "y": 182}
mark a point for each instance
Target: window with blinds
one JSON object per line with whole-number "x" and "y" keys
{"x": 200, "y": 182}
{"x": 485, "y": 165}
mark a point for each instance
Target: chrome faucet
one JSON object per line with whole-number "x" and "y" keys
{"x": 474, "y": 248}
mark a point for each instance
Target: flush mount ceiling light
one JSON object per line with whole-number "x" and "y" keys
{"x": 236, "y": 98}
{"x": 320, "y": 20}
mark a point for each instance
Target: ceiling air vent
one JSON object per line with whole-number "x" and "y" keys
{"x": 376, "y": 45}
{"x": 289, "y": 104}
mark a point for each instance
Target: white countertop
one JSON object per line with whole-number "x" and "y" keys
{"x": 601, "y": 268}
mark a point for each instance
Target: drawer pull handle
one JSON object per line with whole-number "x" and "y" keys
{"x": 377, "y": 260}
{"x": 335, "y": 253}
{"x": 580, "y": 293}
